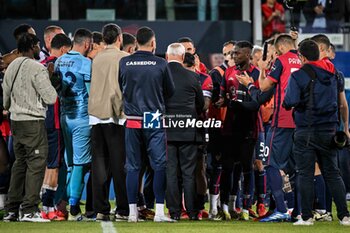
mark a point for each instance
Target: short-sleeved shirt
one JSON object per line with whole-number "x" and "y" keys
{"x": 279, "y": 74}
{"x": 74, "y": 70}
{"x": 206, "y": 83}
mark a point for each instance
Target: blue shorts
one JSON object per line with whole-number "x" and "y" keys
{"x": 76, "y": 134}
{"x": 56, "y": 148}
{"x": 280, "y": 143}
{"x": 153, "y": 140}
{"x": 261, "y": 149}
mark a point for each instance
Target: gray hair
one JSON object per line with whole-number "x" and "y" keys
{"x": 176, "y": 49}
{"x": 256, "y": 49}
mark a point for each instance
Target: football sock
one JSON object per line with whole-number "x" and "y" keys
{"x": 261, "y": 186}
{"x": 159, "y": 209}
{"x": 133, "y": 210}
{"x": 289, "y": 197}
{"x": 77, "y": 184}
{"x": 247, "y": 179}
{"x": 275, "y": 182}
{"x": 47, "y": 197}
{"x": 68, "y": 177}
{"x": 214, "y": 203}
{"x": 232, "y": 202}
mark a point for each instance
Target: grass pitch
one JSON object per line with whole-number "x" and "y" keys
{"x": 186, "y": 226}
{"x": 182, "y": 226}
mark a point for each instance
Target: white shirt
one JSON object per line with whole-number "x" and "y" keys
{"x": 94, "y": 120}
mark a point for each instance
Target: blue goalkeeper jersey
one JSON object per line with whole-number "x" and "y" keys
{"x": 75, "y": 71}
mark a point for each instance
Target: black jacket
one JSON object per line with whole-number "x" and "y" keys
{"x": 187, "y": 102}
{"x": 145, "y": 82}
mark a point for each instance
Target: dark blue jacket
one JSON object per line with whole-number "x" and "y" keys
{"x": 145, "y": 81}
{"x": 325, "y": 95}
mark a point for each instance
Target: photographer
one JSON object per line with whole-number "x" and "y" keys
{"x": 312, "y": 91}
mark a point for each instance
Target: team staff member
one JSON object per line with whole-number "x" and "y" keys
{"x": 312, "y": 91}
{"x": 146, "y": 82}
{"x": 201, "y": 179}
{"x": 182, "y": 142}
{"x": 27, "y": 91}
{"x": 107, "y": 120}
{"x": 324, "y": 46}
{"x": 279, "y": 138}
{"x": 129, "y": 43}
{"x": 145, "y": 202}
{"x": 325, "y": 200}
{"x": 49, "y": 34}
{"x": 215, "y": 138}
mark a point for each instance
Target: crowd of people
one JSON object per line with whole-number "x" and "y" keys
{"x": 99, "y": 104}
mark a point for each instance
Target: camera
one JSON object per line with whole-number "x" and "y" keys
{"x": 290, "y": 3}
{"x": 340, "y": 140}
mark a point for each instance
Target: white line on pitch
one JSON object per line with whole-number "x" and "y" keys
{"x": 107, "y": 227}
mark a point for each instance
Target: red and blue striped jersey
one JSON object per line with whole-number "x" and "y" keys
{"x": 280, "y": 73}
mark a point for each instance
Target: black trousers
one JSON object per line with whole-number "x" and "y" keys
{"x": 181, "y": 163}
{"x": 108, "y": 157}
{"x": 238, "y": 151}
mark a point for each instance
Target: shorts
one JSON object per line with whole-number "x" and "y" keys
{"x": 261, "y": 149}
{"x": 280, "y": 143}
{"x": 56, "y": 148}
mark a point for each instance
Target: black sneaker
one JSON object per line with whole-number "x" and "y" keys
{"x": 11, "y": 217}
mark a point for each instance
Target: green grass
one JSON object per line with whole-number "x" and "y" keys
{"x": 182, "y": 226}
{"x": 186, "y": 226}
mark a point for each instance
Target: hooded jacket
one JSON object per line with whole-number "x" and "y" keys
{"x": 324, "y": 108}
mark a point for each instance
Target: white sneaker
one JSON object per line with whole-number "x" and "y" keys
{"x": 345, "y": 221}
{"x": 132, "y": 218}
{"x": 163, "y": 218}
{"x": 33, "y": 217}
{"x": 301, "y": 222}
{"x": 329, "y": 217}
